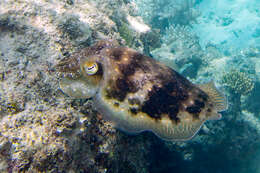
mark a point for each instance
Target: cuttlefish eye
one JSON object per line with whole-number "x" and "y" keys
{"x": 91, "y": 68}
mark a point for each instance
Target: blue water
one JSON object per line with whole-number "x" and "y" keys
{"x": 232, "y": 23}
{"x": 206, "y": 39}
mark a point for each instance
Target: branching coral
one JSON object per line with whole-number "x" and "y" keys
{"x": 162, "y": 13}
{"x": 180, "y": 42}
{"x": 238, "y": 82}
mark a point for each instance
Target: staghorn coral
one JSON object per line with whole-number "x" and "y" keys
{"x": 238, "y": 82}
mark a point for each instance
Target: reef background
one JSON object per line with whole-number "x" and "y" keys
{"x": 42, "y": 130}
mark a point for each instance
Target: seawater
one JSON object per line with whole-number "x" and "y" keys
{"x": 212, "y": 40}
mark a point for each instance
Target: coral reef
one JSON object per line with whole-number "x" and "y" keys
{"x": 161, "y": 14}
{"x": 181, "y": 46}
{"x": 251, "y": 102}
{"x": 238, "y": 82}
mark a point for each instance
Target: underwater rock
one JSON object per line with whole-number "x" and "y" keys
{"x": 77, "y": 31}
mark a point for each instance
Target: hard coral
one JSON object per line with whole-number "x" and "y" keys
{"x": 238, "y": 82}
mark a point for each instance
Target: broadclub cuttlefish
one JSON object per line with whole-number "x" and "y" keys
{"x": 137, "y": 93}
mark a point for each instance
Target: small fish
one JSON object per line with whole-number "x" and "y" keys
{"x": 138, "y": 93}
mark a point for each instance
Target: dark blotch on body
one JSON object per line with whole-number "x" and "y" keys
{"x": 127, "y": 69}
{"x": 122, "y": 87}
{"x": 196, "y": 108}
{"x": 165, "y": 100}
{"x": 117, "y": 53}
{"x": 199, "y": 104}
{"x": 203, "y": 96}
{"x": 133, "y": 110}
{"x": 193, "y": 109}
{"x": 124, "y": 84}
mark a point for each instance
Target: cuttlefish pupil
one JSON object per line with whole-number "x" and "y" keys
{"x": 90, "y": 68}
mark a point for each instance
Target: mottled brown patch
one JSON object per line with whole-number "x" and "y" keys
{"x": 169, "y": 90}
{"x": 117, "y": 53}
{"x": 209, "y": 109}
{"x": 196, "y": 108}
{"x": 127, "y": 69}
{"x": 200, "y": 104}
{"x": 125, "y": 84}
{"x": 195, "y": 116}
{"x": 120, "y": 88}
{"x": 69, "y": 64}
{"x": 166, "y": 99}
{"x": 136, "y": 61}
{"x": 193, "y": 109}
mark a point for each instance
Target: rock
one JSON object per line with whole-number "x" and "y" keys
{"x": 41, "y": 129}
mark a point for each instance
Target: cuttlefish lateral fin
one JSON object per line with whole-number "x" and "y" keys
{"x": 217, "y": 98}
{"x": 77, "y": 88}
{"x": 182, "y": 132}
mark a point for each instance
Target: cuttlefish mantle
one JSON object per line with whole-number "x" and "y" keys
{"x": 138, "y": 93}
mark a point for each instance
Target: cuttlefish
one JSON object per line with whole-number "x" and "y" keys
{"x": 137, "y": 93}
